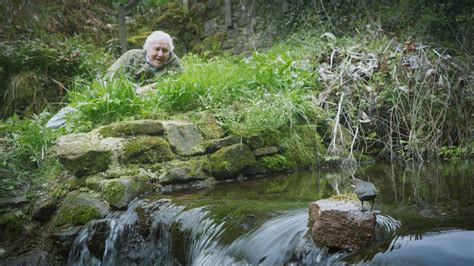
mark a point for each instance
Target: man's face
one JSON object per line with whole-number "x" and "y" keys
{"x": 158, "y": 52}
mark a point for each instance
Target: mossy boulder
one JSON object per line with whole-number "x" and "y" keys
{"x": 185, "y": 171}
{"x": 132, "y": 128}
{"x": 229, "y": 161}
{"x": 82, "y": 154}
{"x": 184, "y": 137}
{"x": 147, "y": 149}
{"x": 79, "y": 208}
{"x": 119, "y": 192}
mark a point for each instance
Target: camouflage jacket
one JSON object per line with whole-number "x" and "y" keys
{"x": 134, "y": 63}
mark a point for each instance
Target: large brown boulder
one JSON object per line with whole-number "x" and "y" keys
{"x": 341, "y": 224}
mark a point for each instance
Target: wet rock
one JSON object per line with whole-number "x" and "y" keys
{"x": 132, "y": 128}
{"x": 147, "y": 149}
{"x": 229, "y": 161}
{"x": 97, "y": 238}
{"x": 10, "y": 202}
{"x": 82, "y": 154}
{"x": 38, "y": 257}
{"x": 64, "y": 238}
{"x": 216, "y": 144}
{"x": 119, "y": 192}
{"x": 184, "y": 137}
{"x": 79, "y": 208}
{"x": 44, "y": 208}
{"x": 185, "y": 171}
{"x": 3, "y": 252}
{"x": 265, "y": 151}
{"x": 340, "y": 224}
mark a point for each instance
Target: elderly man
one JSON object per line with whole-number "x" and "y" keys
{"x": 155, "y": 59}
{"x": 142, "y": 65}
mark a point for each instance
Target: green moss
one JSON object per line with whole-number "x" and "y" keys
{"x": 11, "y": 225}
{"x": 114, "y": 191}
{"x": 230, "y": 161}
{"x": 77, "y": 215}
{"x": 274, "y": 163}
{"x": 94, "y": 182}
{"x": 147, "y": 150}
{"x": 131, "y": 128}
{"x": 119, "y": 192}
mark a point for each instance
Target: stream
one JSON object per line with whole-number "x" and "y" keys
{"x": 425, "y": 216}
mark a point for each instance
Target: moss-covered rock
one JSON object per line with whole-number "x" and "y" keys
{"x": 81, "y": 154}
{"x": 119, "y": 192}
{"x": 229, "y": 161}
{"x": 184, "y": 137}
{"x": 273, "y": 163}
{"x": 147, "y": 149}
{"x": 216, "y": 144}
{"x": 94, "y": 182}
{"x": 79, "y": 208}
{"x": 185, "y": 171}
{"x": 208, "y": 124}
{"x": 12, "y": 225}
{"x": 132, "y": 128}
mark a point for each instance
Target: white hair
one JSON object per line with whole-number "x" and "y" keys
{"x": 157, "y": 36}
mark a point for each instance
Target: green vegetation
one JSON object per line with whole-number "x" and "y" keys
{"x": 332, "y": 91}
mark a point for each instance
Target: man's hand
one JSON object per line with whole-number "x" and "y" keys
{"x": 143, "y": 91}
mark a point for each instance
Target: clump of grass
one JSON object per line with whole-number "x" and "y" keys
{"x": 102, "y": 102}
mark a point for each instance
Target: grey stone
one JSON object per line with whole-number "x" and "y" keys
{"x": 228, "y": 44}
{"x": 184, "y": 171}
{"x": 265, "y": 151}
{"x": 210, "y": 27}
{"x": 132, "y": 128}
{"x": 13, "y": 201}
{"x": 37, "y": 258}
{"x": 341, "y": 224}
{"x": 64, "y": 237}
{"x": 97, "y": 238}
{"x": 184, "y": 137}
{"x": 120, "y": 191}
{"x": 216, "y": 144}
{"x": 234, "y": 34}
{"x": 82, "y": 154}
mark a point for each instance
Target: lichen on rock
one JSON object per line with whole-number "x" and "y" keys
{"x": 184, "y": 137}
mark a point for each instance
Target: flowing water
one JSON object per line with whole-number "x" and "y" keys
{"x": 425, "y": 216}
